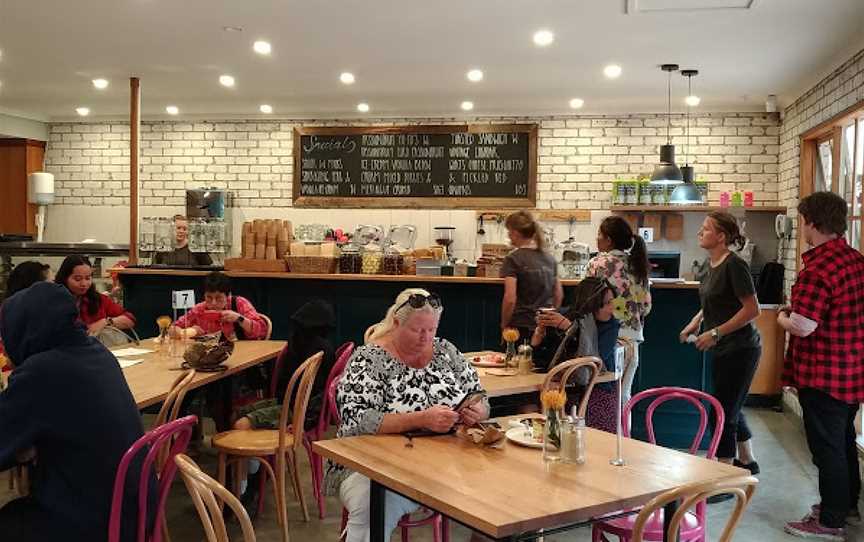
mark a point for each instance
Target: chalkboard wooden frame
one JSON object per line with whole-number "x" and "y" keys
{"x": 445, "y": 202}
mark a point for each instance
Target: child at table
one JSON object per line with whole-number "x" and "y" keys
{"x": 221, "y": 311}
{"x": 595, "y": 334}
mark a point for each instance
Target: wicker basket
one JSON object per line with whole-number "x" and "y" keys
{"x": 315, "y": 265}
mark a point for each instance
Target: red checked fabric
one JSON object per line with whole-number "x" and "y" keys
{"x": 830, "y": 291}
{"x": 197, "y": 316}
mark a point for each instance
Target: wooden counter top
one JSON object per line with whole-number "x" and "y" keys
{"x": 373, "y": 278}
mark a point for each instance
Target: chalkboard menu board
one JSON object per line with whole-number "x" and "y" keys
{"x": 459, "y": 166}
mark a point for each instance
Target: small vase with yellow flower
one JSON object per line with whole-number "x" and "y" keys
{"x": 510, "y": 335}
{"x": 164, "y": 323}
{"x": 553, "y": 402}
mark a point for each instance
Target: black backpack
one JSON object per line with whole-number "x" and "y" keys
{"x": 769, "y": 289}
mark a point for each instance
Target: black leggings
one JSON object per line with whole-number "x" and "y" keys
{"x": 733, "y": 373}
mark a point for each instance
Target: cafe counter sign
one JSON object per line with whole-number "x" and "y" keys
{"x": 452, "y": 166}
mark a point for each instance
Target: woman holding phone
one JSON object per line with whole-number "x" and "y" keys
{"x": 404, "y": 379}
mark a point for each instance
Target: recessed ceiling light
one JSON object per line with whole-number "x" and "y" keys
{"x": 467, "y": 106}
{"x": 232, "y": 28}
{"x": 172, "y": 110}
{"x": 226, "y": 80}
{"x": 475, "y": 75}
{"x": 577, "y": 103}
{"x": 612, "y": 71}
{"x": 262, "y": 47}
{"x": 363, "y": 107}
{"x": 542, "y": 38}
{"x": 100, "y": 83}
{"x": 83, "y": 111}
{"x": 264, "y": 108}
{"x": 347, "y": 78}
{"x": 692, "y": 100}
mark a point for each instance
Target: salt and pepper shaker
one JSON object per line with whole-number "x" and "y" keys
{"x": 573, "y": 439}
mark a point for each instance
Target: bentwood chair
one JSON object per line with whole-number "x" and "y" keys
{"x": 269, "y": 323}
{"x": 173, "y": 435}
{"x": 284, "y": 443}
{"x": 560, "y": 376}
{"x": 205, "y": 491}
{"x": 740, "y": 488}
{"x": 694, "y": 523}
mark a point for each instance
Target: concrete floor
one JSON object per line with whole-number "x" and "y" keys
{"x": 787, "y": 489}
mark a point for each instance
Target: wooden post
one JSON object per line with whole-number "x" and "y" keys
{"x": 134, "y": 129}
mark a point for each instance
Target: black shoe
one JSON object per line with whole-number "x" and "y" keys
{"x": 752, "y": 467}
{"x": 249, "y": 499}
{"x": 723, "y": 497}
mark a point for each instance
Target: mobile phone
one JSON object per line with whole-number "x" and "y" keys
{"x": 469, "y": 400}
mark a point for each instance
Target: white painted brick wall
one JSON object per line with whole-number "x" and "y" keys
{"x": 839, "y": 91}
{"x": 579, "y": 157}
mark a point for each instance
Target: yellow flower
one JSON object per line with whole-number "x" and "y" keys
{"x": 163, "y": 322}
{"x": 553, "y": 399}
{"x": 3, "y": 360}
{"x": 619, "y": 305}
{"x": 510, "y": 334}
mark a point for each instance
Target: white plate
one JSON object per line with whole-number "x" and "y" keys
{"x": 484, "y": 361}
{"x": 522, "y": 437}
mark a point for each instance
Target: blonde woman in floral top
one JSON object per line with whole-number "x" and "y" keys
{"x": 623, "y": 260}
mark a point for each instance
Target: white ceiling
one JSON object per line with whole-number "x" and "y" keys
{"x": 410, "y": 56}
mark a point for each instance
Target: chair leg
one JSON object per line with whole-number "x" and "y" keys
{"x": 436, "y": 530}
{"x": 298, "y": 489}
{"x": 315, "y": 465}
{"x": 445, "y": 529}
{"x": 281, "y": 508}
{"x": 343, "y": 525}
{"x": 262, "y": 483}
{"x": 221, "y": 464}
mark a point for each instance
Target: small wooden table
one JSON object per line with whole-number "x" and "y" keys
{"x": 150, "y": 381}
{"x": 508, "y": 493}
{"x": 500, "y": 386}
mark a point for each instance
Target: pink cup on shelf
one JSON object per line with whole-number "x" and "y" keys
{"x": 724, "y": 199}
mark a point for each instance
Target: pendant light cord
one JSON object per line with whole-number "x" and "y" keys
{"x": 687, "y": 142}
{"x": 668, "y": 108}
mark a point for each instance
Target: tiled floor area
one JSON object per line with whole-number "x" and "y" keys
{"x": 786, "y": 490}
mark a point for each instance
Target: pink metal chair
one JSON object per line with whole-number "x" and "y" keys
{"x": 175, "y": 435}
{"x": 693, "y": 525}
{"x": 325, "y": 419}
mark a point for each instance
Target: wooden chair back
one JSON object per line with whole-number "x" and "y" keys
{"x": 302, "y": 378}
{"x": 269, "y": 326}
{"x": 206, "y": 494}
{"x": 741, "y": 488}
{"x": 171, "y": 405}
{"x": 559, "y": 376}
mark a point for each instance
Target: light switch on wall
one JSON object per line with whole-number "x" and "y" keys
{"x": 647, "y": 234}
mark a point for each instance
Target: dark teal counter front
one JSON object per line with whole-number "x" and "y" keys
{"x": 472, "y": 312}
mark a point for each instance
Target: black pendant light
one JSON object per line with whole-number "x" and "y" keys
{"x": 666, "y": 171}
{"x": 687, "y": 193}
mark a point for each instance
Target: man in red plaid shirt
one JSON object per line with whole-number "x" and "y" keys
{"x": 825, "y": 361}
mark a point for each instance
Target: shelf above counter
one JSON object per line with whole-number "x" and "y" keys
{"x": 695, "y": 209}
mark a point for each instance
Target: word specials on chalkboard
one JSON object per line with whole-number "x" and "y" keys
{"x": 459, "y": 166}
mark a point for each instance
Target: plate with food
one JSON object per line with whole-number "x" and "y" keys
{"x": 527, "y": 432}
{"x": 487, "y": 359}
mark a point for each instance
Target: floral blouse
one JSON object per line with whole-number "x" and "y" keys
{"x": 633, "y": 301}
{"x": 375, "y": 383}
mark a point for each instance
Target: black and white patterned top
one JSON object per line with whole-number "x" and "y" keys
{"x": 375, "y": 383}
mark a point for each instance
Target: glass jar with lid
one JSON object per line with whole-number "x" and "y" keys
{"x": 371, "y": 259}
{"x": 350, "y": 261}
{"x": 573, "y": 258}
{"x": 392, "y": 261}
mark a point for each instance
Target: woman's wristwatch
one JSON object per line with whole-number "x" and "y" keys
{"x": 109, "y": 321}
{"x": 241, "y": 319}
{"x": 715, "y": 334}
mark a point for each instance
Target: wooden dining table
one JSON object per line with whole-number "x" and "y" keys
{"x": 510, "y": 493}
{"x": 150, "y": 381}
{"x": 497, "y": 385}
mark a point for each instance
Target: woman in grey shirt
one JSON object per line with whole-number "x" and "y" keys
{"x": 530, "y": 275}
{"x": 729, "y": 306}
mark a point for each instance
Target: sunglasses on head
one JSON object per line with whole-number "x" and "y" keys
{"x": 417, "y": 301}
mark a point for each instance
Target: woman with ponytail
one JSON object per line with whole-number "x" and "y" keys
{"x": 729, "y": 307}
{"x": 623, "y": 261}
{"x": 530, "y": 275}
